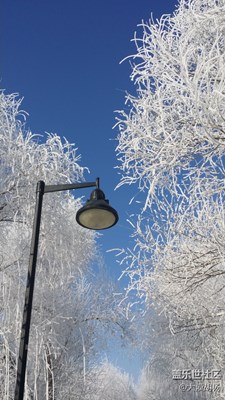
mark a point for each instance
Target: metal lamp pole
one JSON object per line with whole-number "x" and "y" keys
{"x": 102, "y": 207}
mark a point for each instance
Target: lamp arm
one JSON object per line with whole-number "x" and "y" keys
{"x": 70, "y": 186}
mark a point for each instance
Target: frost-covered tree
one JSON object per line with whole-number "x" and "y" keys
{"x": 172, "y": 145}
{"x": 110, "y": 384}
{"x": 69, "y": 304}
{"x": 176, "y": 123}
{"x": 175, "y": 366}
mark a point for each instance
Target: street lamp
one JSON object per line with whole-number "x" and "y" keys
{"x": 95, "y": 214}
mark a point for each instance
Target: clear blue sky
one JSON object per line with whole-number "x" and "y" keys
{"x": 63, "y": 57}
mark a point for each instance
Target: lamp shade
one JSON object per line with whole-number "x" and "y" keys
{"x": 97, "y": 213}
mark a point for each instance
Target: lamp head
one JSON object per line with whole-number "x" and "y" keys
{"x": 97, "y": 213}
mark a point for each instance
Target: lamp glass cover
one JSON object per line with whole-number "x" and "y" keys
{"x": 97, "y": 218}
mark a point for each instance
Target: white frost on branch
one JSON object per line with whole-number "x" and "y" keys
{"x": 176, "y": 122}
{"x": 172, "y": 145}
{"x": 68, "y": 298}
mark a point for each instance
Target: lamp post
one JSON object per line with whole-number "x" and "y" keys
{"x": 96, "y": 214}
